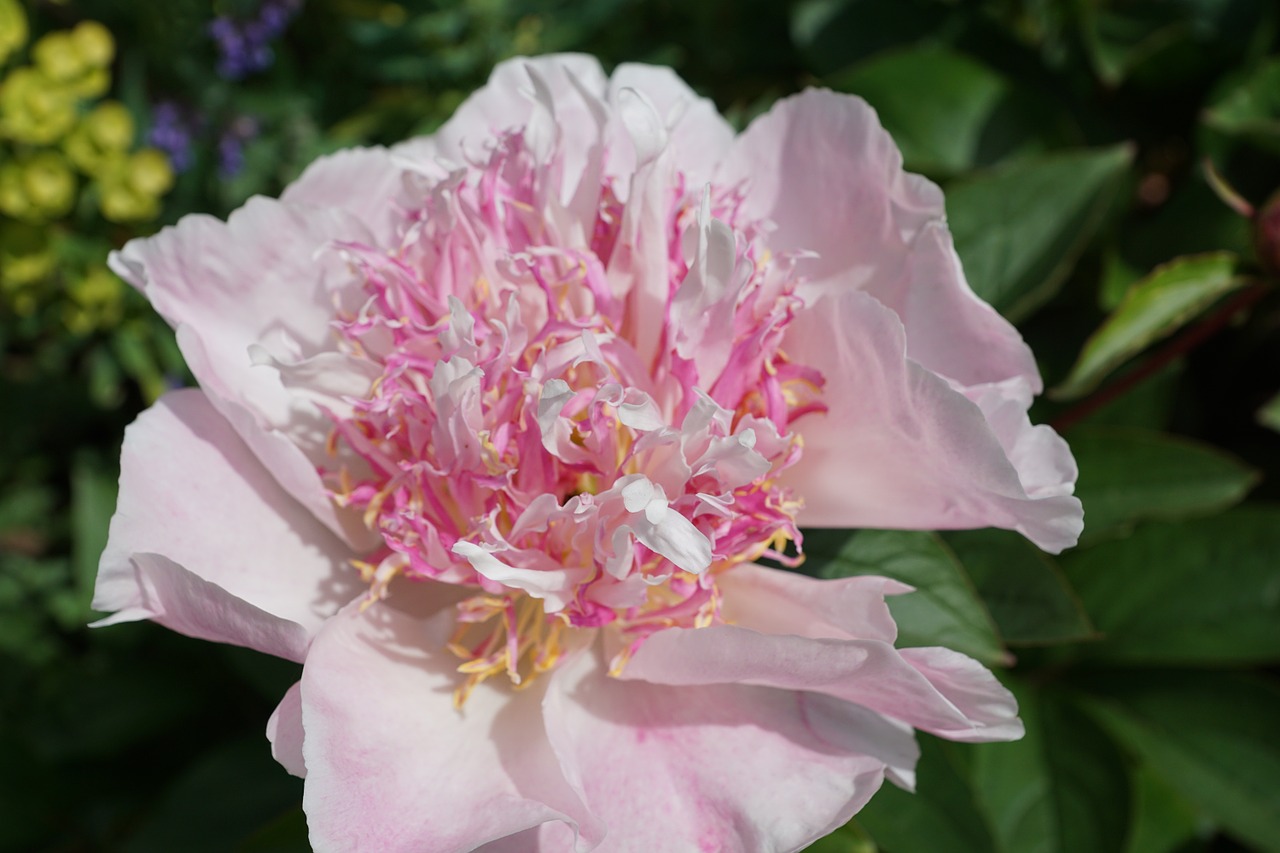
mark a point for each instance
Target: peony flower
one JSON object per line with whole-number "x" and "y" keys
{"x": 494, "y": 428}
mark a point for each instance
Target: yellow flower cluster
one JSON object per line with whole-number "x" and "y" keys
{"x": 54, "y": 129}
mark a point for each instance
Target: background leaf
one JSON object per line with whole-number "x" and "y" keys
{"x": 1211, "y": 736}
{"x": 1022, "y": 586}
{"x": 948, "y": 112}
{"x": 1129, "y": 475}
{"x": 1199, "y": 591}
{"x": 1154, "y": 308}
{"x": 944, "y": 610}
{"x": 1019, "y": 228}
{"x": 1061, "y": 789}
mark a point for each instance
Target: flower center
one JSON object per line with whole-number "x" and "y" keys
{"x": 583, "y": 426}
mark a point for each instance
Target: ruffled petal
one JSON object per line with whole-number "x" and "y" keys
{"x": 916, "y": 689}
{"x": 205, "y": 542}
{"x": 843, "y": 194}
{"x": 393, "y": 766}
{"x": 365, "y": 182}
{"x": 262, "y": 275}
{"x": 716, "y": 768}
{"x": 781, "y": 602}
{"x": 698, "y": 134}
{"x": 901, "y": 448}
{"x": 284, "y": 731}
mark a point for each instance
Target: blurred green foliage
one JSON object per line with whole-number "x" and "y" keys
{"x": 1070, "y": 136}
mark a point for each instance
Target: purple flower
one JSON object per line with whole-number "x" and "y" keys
{"x": 171, "y": 132}
{"x": 244, "y": 47}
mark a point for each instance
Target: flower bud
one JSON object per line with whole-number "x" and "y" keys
{"x": 1266, "y": 235}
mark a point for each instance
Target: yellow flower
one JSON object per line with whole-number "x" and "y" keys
{"x": 34, "y": 108}
{"x": 25, "y": 255}
{"x": 49, "y": 184}
{"x": 93, "y": 44}
{"x": 56, "y": 57}
{"x": 107, "y": 130}
{"x": 96, "y": 301}
{"x": 13, "y": 28}
{"x": 38, "y": 188}
{"x": 150, "y": 172}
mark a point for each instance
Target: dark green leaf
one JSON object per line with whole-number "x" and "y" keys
{"x": 947, "y": 112}
{"x": 1212, "y": 736}
{"x": 1251, "y": 109}
{"x": 941, "y": 815}
{"x": 1022, "y": 586}
{"x": 1199, "y": 591}
{"x": 944, "y": 610}
{"x": 1163, "y": 821}
{"x": 1061, "y": 789}
{"x": 1129, "y": 475}
{"x": 93, "y": 500}
{"x": 1020, "y": 228}
{"x": 1154, "y": 308}
{"x": 1269, "y": 414}
{"x": 223, "y": 799}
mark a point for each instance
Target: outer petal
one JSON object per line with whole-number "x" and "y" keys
{"x": 715, "y": 768}
{"x": 869, "y": 673}
{"x": 844, "y": 195}
{"x": 227, "y": 286}
{"x": 205, "y": 542}
{"x": 392, "y": 766}
{"x": 362, "y": 181}
{"x": 506, "y": 102}
{"x": 901, "y": 448}
{"x": 781, "y": 602}
{"x": 284, "y": 730}
{"x": 700, "y": 136}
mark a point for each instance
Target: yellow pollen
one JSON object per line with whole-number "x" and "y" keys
{"x": 504, "y": 634}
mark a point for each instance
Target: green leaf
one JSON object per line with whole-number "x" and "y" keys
{"x": 1252, "y": 108}
{"x": 1154, "y": 308}
{"x": 1195, "y": 592}
{"x": 1130, "y": 475}
{"x": 947, "y": 112}
{"x": 942, "y": 814}
{"x": 1022, "y": 586}
{"x": 1163, "y": 821}
{"x": 1020, "y": 228}
{"x": 93, "y": 500}
{"x": 1269, "y": 414}
{"x": 227, "y": 796}
{"x": 944, "y": 609}
{"x": 1211, "y": 736}
{"x": 1061, "y": 789}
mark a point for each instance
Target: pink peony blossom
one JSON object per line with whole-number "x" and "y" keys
{"x": 494, "y": 425}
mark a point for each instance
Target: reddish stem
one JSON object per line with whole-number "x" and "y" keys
{"x": 1178, "y": 347}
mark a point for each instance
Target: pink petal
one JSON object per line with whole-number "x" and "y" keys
{"x": 901, "y": 448}
{"x": 716, "y": 768}
{"x": 205, "y": 542}
{"x": 699, "y": 135}
{"x": 284, "y": 731}
{"x": 505, "y": 102}
{"x": 781, "y": 602}
{"x": 869, "y": 673}
{"x": 226, "y": 286}
{"x": 844, "y": 195}
{"x": 392, "y": 766}
{"x": 362, "y": 181}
